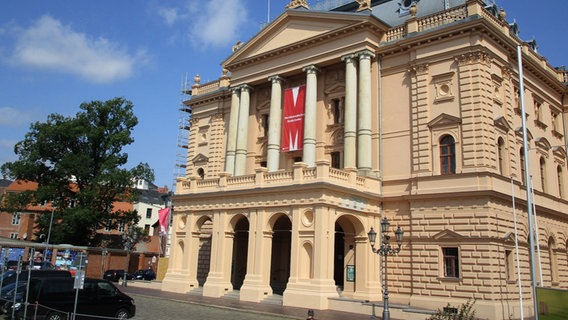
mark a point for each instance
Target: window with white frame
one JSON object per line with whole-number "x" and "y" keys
{"x": 14, "y": 235}
{"x": 149, "y": 213}
{"x": 121, "y": 227}
{"x": 16, "y": 218}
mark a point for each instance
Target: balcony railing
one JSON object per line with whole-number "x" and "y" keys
{"x": 300, "y": 174}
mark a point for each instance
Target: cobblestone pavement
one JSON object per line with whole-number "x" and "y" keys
{"x": 153, "y": 304}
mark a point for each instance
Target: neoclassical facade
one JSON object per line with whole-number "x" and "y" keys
{"x": 411, "y": 113}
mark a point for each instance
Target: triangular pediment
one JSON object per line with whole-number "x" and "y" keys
{"x": 200, "y": 158}
{"x": 447, "y": 235}
{"x": 444, "y": 120}
{"x": 502, "y": 124}
{"x": 295, "y": 29}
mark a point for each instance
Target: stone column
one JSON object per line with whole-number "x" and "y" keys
{"x": 242, "y": 132}
{"x": 232, "y": 137}
{"x": 350, "y": 123}
{"x": 364, "y": 146}
{"x": 309, "y": 154}
{"x": 256, "y": 286}
{"x": 274, "y": 124}
{"x": 218, "y": 281}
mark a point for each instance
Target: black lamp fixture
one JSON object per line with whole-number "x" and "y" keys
{"x": 385, "y": 249}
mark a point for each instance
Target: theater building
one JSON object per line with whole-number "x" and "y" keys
{"x": 333, "y": 118}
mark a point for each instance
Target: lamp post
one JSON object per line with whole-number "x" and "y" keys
{"x": 385, "y": 249}
{"x": 130, "y": 239}
{"x": 48, "y": 233}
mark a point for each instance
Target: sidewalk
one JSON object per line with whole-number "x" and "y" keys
{"x": 153, "y": 289}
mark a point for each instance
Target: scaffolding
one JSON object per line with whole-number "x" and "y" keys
{"x": 183, "y": 133}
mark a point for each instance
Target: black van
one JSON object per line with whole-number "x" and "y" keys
{"x": 10, "y": 276}
{"x": 54, "y": 299}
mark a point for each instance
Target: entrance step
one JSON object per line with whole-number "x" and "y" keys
{"x": 234, "y": 295}
{"x": 397, "y": 311}
{"x": 273, "y": 299}
{"x": 196, "y": 291}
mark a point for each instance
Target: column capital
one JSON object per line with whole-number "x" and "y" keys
{"x": 365, "y": 54}
{"x": 236, "y": 90}
{"x": 245, "y": 87}
{"x": 312, "y": 68}
{"x": 276, "y": 78}
{"x": 349, "y": 57}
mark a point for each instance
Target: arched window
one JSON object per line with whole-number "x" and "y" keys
{"x": 553, "y": 260}
{"x": 501, "y": 155}
{"x": 447, "y": 155}
{"x": 522, "y": 164}
{"x": 560, "y": 180}
{"x": 543, "y": 174}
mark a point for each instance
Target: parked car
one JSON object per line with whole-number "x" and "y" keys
{"x": 8, "y": 292}
{"x": 13, "y": 265}
{"x": 54, "y": 298}
{"x": 116, "y": 274}
{"x": 35, "y": 274}
{"x": 144, "y": 274}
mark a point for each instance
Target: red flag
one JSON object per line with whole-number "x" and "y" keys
{"x": 293, "y": 119}
{"x": 164, "y": 219}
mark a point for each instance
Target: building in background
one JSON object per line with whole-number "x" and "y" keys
{"x": 329, "y": 120}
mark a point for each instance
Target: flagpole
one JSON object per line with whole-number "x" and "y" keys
{"x": 527, "y": 182}
{"x": 517, "y": 250}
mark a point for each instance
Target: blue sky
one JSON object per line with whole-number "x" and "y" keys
{"x": 56, "y": 54}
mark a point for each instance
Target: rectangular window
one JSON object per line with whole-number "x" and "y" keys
{"x": 147, "y": 229}
{"x": 149, "y": 213}
{"x": 14, "y": 235}
{"x": 336, "y": 160}
{"x": 16, "y": 217}
{"x": 451, "y": 262}
{"x": 121, "y": 227}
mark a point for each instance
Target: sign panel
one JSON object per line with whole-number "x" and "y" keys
{"x": 293, "y": 119}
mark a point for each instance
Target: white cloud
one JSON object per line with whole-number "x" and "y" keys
{"x": 14, "y": 117}
{"x": 170, "y": 15}
{"x": 48, "y": 44}
{"x": 218, "y": 23}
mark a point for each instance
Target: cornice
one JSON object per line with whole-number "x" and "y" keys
{"x": 367, "y": 25}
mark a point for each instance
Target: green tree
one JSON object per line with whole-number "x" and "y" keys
{"x": 78, "y": 163}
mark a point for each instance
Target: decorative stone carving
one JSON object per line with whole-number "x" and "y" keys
{"x": 419, "y": 69}
{"x": 413, "y": 9}
{"x": 364, "y": 5}
{"x": 473, "y": 58}
{"x": 295, "y": 4}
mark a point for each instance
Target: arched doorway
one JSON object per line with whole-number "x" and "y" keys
{"x": 205, "y": 228}
{"x": 280, "y": 257}
{"x": 240, "y": 252}
{"x": 345, "y": 262}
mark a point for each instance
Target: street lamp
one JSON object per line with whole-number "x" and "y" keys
{"x": 130, "y": 239}
{"x": 385, "y": 249}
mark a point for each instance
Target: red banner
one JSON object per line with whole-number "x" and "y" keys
{"x": 293, "y": 119}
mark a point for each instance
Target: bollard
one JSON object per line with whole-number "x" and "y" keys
{"x": 310, "y": 315}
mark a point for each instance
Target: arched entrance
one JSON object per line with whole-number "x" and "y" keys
{"x": 205, "y": 228}
{"x": 280, "y": 257}
{"x": 240, "y": 251}
{"x": 345, "y": 265}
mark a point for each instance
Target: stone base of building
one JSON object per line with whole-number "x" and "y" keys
{"x": 178, "y": 283}
{"x": 309, "y": 295}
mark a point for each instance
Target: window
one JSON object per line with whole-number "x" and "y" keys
{"x": 336, "y": 160}
{"x": 149, "y": 213}
{"x": 523, "y": 172}
{"x": 14, "y": 235}
{"x": 447, "y": 155}
{"x": 451, "y": 262}
{"x": 121, "y": 227}
{"x": 337, "y": 110}
{"x": 16, "y": 217}
{"x": 538, "y": 111}
{"x": 509, "y": 265}
{"x": 201, "y": 173}
{"x": 108, "y": 224}
{"x": 559, "y": 178}
{"x": 265, "y": 124}
{"x": 147, "y": 229}
{"x": 543, "y": 174}
{"x": 555, "y": 122}
{"x": 501, "y": 155}
{"x": 553, "y": 261}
